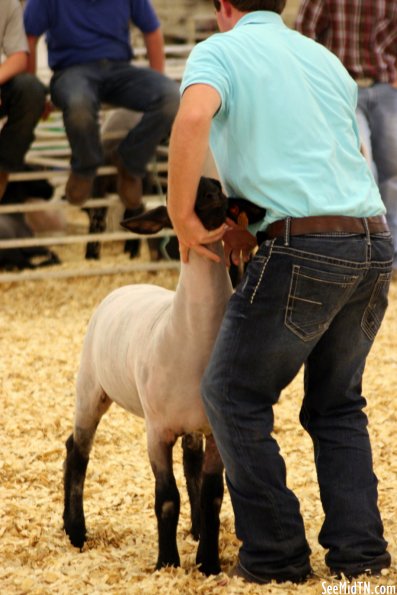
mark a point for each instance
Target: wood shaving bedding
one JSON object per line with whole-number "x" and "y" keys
{"x": 42, "y": 328}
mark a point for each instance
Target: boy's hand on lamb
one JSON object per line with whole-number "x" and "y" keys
{"x": 192, "y": 235}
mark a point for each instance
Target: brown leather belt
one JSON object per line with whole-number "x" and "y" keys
{"x": 301, "y": 226}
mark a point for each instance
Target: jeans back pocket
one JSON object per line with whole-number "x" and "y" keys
{"x": 377, "y": 305}
{"x": 314, "y": 299}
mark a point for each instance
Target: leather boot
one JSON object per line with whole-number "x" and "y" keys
{"x": 129, "y": 186}
{"x": 78, "y": 188}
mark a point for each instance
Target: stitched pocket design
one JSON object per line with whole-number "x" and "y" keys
{"x": 377, "y": 305}
{"x": 314, "y": 299}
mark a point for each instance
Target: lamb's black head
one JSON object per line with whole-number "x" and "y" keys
{"x": 211, "y": 203}
{"x": 211, "y": 208}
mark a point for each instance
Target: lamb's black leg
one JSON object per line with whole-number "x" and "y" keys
{"x": 75, "y": 468}
{"x": 132, "y": 246}
{"x": 167, "y": 503}
{"x": 97, "y": 217}
{"x": 210, "y": 505}
{"x": 193, "y": 456}
{"x": 78, "y": 448}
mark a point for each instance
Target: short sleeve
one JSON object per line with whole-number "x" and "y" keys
{"x": 37, "y": 17}
{"x": 14, "y": 39}
{"x": 144, "y": 16}
{"x": 207, "y": 65}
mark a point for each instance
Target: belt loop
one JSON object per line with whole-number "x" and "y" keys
{"x": 287, "y": 229}
{"x": 367, "y": 232}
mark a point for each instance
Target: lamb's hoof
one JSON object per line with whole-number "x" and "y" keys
{"x": 77, "y": 534}
{"x": 195, "y": 532}
{"x": 175, "y": 563}
{"x": 208, "y": 566}
{"x": 209, "y": 569}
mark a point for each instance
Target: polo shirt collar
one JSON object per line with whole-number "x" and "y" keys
{"x": 263, "y": 17}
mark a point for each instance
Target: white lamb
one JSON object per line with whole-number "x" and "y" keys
{"x": 146, "y": 349}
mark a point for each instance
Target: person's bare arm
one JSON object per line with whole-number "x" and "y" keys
{"x": 32, "y": 65}
{"x": 188, "y": 151}
{"x": 14, "y": 64}
{"x": 154, "y": 43}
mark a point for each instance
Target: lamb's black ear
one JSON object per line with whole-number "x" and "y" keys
{"x": 242, "y": 206}
{"x": 212, "y": 181}
{"x": 150, "y": 222}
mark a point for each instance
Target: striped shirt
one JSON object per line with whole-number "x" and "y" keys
{"x": 362, "y": 33}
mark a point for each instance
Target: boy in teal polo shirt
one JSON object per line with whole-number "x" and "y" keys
{"x": 312, "y": 120}
{"x": 279, "y": 110}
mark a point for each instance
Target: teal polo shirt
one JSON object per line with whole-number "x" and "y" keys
{"x": 286, "y": 135}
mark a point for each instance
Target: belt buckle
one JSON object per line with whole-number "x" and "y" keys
{"x": 365, "y": 82}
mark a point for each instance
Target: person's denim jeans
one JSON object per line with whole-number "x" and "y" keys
{"x": 377, "y": 120}
{"x": 22, "y": 102}
{"x": 318, "y": 302}
{"x": 79, "y": 92}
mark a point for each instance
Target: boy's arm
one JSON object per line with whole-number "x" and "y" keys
{"x": 32, "y": 57}
{"x": 13, "y": 64}
{"x": 188, "y": 151}
{"x": 154, "y": 43}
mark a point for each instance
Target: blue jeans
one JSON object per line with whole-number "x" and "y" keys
{"x": 79, "y": 91}
{"x": 377, "y": 119}
{"x": 317, "y": 302}
{"x": 22, "y": 102}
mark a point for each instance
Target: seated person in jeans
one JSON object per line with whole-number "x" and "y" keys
{"x": 89, "y": 51}
{"x": 22, "y": 96}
